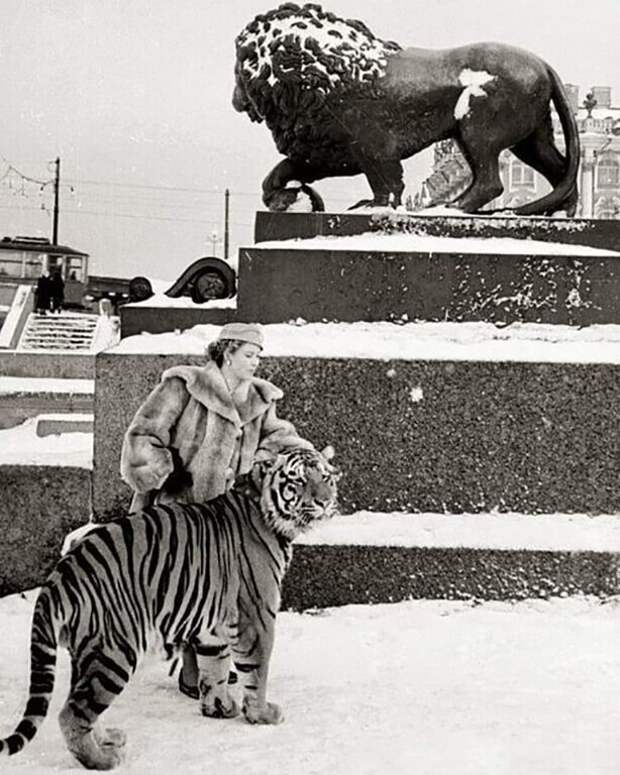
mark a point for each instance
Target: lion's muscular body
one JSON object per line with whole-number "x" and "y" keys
{"x": 361, "y": 105}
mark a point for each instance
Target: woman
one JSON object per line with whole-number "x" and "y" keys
{"x": 200, "y": 428}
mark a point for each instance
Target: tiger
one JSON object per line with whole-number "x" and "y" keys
{"x": 209, "y": 575}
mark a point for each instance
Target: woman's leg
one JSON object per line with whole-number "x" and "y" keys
{"x": 188, "y": 677}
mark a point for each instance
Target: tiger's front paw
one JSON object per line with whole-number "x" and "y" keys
{"x": 113, "y": 737}
{"x": 270, "y": 713}
{"x": 216, "y": 707}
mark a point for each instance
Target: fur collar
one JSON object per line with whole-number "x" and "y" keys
{"x": 207, "y": 385}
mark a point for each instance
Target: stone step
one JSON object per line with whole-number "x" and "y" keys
{"x": 41, "y": 336}
{"x": 55, "y": 345}
{"x": 67, "y": 331}
{"x": 371, "y": 557}
{"x": 444, "y": 417}
{"x": 38, "y": 338}
{"x": 72, "y": 333}
{"x": 47, "y": 364}
{"x": 594, "y": 232}
{"x": 59, "y": 331}
{"x": 378, "y": 558}
{"x": 23, "y": 403}
{"x": 55, "y": 423}
{"x": 72, "y": 329}
{"x": 387, "y": 277}
{"x": 64, "y": 320}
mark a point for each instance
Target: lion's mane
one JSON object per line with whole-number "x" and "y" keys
{"x": 294, "y": 62}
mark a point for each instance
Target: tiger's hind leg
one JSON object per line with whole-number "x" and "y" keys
{"x": 213, "y": 657}
{"x": 95, "y": 682}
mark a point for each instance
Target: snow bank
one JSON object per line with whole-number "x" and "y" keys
{"x": 543, "y": 532}
{"x": 161, "y": 300}
{"x": 536, "y": 532}
{"x": 521, "y": 342}
{"x": 21, "y": 446}
{"x": 425, "y": 687}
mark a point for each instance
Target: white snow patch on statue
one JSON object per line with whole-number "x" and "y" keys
{"x": 472, "y": 81}
{"x": 366, "y": 56}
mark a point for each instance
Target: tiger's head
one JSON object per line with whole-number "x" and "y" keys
{"x": 299, "y": 489}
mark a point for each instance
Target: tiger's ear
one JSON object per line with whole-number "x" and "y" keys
{"x": 264, "y": 463}
{"x": 329, "y": 453}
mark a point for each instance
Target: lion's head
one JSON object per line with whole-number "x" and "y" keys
{"x": 302, "y": 54}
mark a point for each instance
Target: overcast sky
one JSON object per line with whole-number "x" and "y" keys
{"x": 134, "y": 97}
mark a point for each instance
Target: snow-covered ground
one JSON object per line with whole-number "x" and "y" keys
{"x": 426, "y": 687}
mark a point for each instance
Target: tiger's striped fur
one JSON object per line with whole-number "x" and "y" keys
{"x": 206, "y": 574}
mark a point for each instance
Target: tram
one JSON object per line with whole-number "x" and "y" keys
{"x": 25, "y": 259}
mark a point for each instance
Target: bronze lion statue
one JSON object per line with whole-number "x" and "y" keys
{"x": 340, "y": 101}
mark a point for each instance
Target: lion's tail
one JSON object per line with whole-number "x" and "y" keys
{"x": 42, "y": 672}
{"x": 565, "y": 191}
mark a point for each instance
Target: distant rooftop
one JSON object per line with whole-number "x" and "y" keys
{"x": 38, "y": 245}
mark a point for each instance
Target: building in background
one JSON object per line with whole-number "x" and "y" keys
{"x": 599, "y": 170}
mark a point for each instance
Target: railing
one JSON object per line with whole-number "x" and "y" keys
{"x": 16, "y": 317}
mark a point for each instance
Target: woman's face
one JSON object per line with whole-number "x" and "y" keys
{"x": 244, "y": 361}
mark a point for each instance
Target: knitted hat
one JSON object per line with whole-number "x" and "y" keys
{"x": 242, "y": 332}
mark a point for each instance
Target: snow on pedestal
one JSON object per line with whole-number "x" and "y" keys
{"x": 525, "y": 342}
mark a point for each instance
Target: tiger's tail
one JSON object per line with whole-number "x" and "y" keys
{"x": 43, "y": 648}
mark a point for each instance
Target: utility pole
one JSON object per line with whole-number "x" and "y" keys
{"x": 56, "y": 201}
{"x": 226, "y": 209}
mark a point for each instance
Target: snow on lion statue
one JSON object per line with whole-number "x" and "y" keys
{"x": 340, "y": 101}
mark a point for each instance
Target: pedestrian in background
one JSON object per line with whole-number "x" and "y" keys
{"x": 42, "y": 294}
{"x": 57, "y": 291}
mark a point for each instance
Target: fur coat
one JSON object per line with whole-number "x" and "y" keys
{"x": 188, "y": 441}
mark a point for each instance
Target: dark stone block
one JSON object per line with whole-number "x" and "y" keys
{"x": 596, "y": 233}
{"x": 282, "y": 284}
{"x": 322, "y": 576}
{"x": 279, "y": 285}
{"x": 524, "y": 437}
{"x": 39, "y": 506}
{"x": 18, "y": 407}
{"x": 157, "y": 320}
{"x": 23, "y": 364}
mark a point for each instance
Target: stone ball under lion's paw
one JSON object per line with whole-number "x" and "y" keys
{"x": 290, "y": 200}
